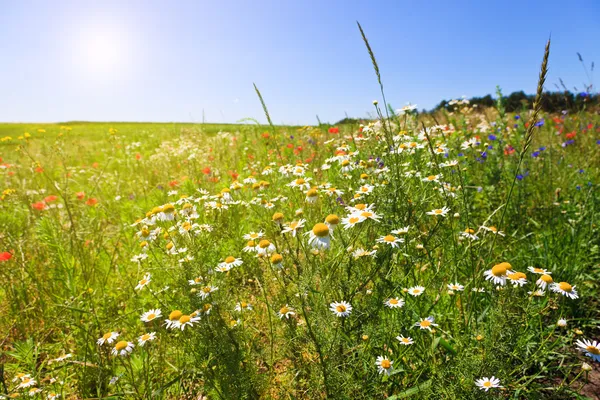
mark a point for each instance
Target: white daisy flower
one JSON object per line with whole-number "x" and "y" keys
{"x": 404, "y": 340}
{"x": 497, "y": 274}
{"x": 341, "y": 309}
{"x": 146, "y": 337}
{"x": 352, "y": 220}
{"x": 426, "y": 323}
{"x": 231, "y": 262}
{"x": 108, "y": 337}
{"x": 206, "y": 291}
{"x": 539, "y": 271}
{"x": 151, "y": 315}
{"x": 320, "y": 236}
{"x": 391, "y": 240}
{"x": 394, "y": 302}
{"x": 185, "y": 320}
{"x": 144, "y": 282}
{"x": 286, "y": 311}
{"x": 384, "y": 365}
{"x": 544, "y": 281}
{"x": 456, "y": 287}
{"x": 293, "y": 227}
{"x": 122, "y": 348}
{"x": 516, "y": 278}
{"x": 565, "y": 289}
{"x": 590, "y": 348}
{"x": 243, "y": 306}
{"x": 442, "y": 212}
{"x": 488, "y": 383}
{"x": 416, "y": 291}
{"x": 561, "y": 323}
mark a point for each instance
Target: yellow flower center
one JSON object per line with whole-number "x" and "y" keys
{"x": 169, "y": 208}
{"x": 320, "y": 230}
{"x": 277, "y": 216}
{"x": 405, "y": 340}
{"x": 386, "y": 364}
{"x": 284, "y": 310}
{"x": 276, "y": 258}
{"x": 425, "y": 324}
{"x": 121, "y": 345}
{"x": 243, "y": 304}
{"x": 593, "y": 350}
{"x": 366, "y": 214}
{"x": 546, "y": 278}
{"x": 143, "y": 281}
{"x": 438, "y": 211}
{"x": 251, "y": 243}
{"x": 206, "y": 289}
{"x": 332, "y": 219}
{"x": 431, "y": 178}
{"x": 517, "y": 275}
{"x": 499, "y": 270}
{"x": 360, "y": 206}
{"x": 145, "y": 337}
{"x": 312, "y": 193}
{"x": 340, "y": 308}
{"x": 345, "y": 163}
{"x": 293, "y": 224}
{"x": 175, "y": 315}
{"x": 150, "y": 317}
{"x": 393, "y": 301}
{"x": 353, "y": 220}
{"x": 389, "y": 238}
{"x": 107, "y": 336}
{"x": 538, "y": 270}
{"x": 229, "y": 259}
{"x": 487, "y": 384}
{"x": 206, "y": 307}
{"x": 469, "y": 231}
{"x": 263, "y": 244}
{"x": 564, "y": 286}
{"x": 184, "y": 319}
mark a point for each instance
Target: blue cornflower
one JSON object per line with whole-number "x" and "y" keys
{"x": 492, "y": 137}
{"x": 540, "y": 123}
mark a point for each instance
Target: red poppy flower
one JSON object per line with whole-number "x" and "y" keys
{"x": 265, "y": 135}
{"x": 173, "y": 184}
{"x": 334, "y": 130}
{"x": 40, "y": 205}
{"x": 80, "y": 195}
{"x": 51, "y": 198}
{"x": 571, "y": 135}
{"x": 39, "y": 170}
{"x": 5, "y": 256}
{"x": 138, "y": 156}
{"x": 91, "y": 202}
{"x": 206, "y": 170}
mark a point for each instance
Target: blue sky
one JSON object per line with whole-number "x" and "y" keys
{"x": 172, "y": 61}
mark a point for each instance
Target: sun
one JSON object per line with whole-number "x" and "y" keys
{"x": 100, "y": 52}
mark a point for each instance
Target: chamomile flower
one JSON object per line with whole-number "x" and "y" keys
{"x": 341, "y": 309}
{"x": 441, "y": 212}
{"x": 146, "y": 337}
{"x": 426, "y": 323}
{"x": 384, "y": 365}
{"x": 352, "y": 220}
{"x": 173, "y": 318}
{"x": 469, "y": 234}
{"x": 431, "y": 178}
{"x": 493, "y": 230}
{"x": 151, "y": 315}
{"x": 537, "y": 293}
{"x": 286, "y": 311}
{"x": 455, "y": 287}
{"x": 311, "y": 196}
{"x": 196, "y": 281}
{"x": 369, "y": 214}
{"x": 277, "y": 260}
{"x": 144, "y": 282}
{"x": 53, "y": 396}
{"x": 497, "y": 274}
{"x": 206, "y": 291}
{"x": 243, "y": 306}
{"x": 544, "y": 281}
{"x": 332, "y": 221}
{"x": 394, "y": 302}
{"x": 416, "y": 291}
{"x": 565, "y": 289}
{"x": 185, "y": 320}
{"x": 33, "y": 391}
{"x": 231, "y": 262}
{"x": 406, "y": 341}
{"x": 401, "y": 231}
{"x": 320, "y": 236}
{"x": 390, "y": 240}
{"x": 517, "y": 278}
{"x": 360, "y": 252}
{"x": 488, "y": 383}
{"x": 265, "y": 247}
{"x": 539, "y": 271}
{"x": 301, "y": 183}
{"x": 253, "y": 235}
{"x": 108, "y": 337}
{"x": 293, "y": 227}
{"x": 122, "y": 348}
{"x": 26, "y": 381}
{"x": 250, "y": 247}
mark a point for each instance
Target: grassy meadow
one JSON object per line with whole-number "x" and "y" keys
{"x": 451, "y": 256}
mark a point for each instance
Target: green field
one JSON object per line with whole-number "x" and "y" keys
{"x": 302, "y": 262}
